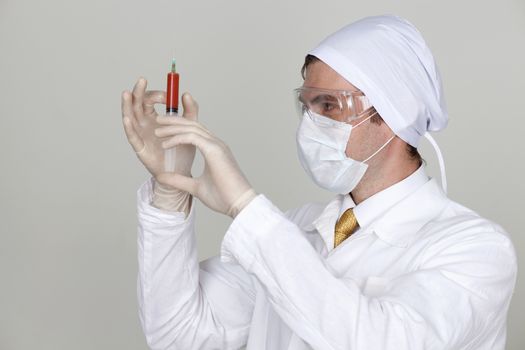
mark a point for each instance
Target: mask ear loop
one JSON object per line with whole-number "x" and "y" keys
{"x": 440, "y": 159}
{"x": 379, "y": 150}
{"x": 364, "y": 120}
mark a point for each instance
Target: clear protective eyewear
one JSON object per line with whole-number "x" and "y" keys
{"x": 340, "y": 105}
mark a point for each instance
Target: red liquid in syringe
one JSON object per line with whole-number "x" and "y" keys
{"x": 172, "y": 91}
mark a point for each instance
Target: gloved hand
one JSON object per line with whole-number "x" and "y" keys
{"x": 139, "y": 118}
{"x": 140, "y": 121}
{"x": 222, "y": 186}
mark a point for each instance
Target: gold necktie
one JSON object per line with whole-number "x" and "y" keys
{"x": 345, "y": 226}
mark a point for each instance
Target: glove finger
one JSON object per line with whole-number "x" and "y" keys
{"x": 133, "y": 138}
{"x": 179, "y": 121}
{"x": 126, "y": 106}
{"x": 138, "y": 97}
{"x": 178, "y": 181}
{"x": 191, "y": 107}
{"x": 173, "y": 130}
{"x": 151, "y": 98}
{"x": 202, "y": 143}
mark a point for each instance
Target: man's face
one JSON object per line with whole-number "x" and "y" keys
{"x": 365, "y": 139}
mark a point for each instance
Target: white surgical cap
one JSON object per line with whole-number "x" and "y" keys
{"x": 388, "y": 60}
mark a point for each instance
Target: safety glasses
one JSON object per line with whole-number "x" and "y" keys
{"x": 340, "y": 105}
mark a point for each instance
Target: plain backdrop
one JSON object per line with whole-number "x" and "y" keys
{"x": 68, "y": 177}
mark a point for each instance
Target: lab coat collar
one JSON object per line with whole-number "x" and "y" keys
{"x": 420, "y": 201}
{"x": 373, "y": 207}
{"x": 398, "y": 225}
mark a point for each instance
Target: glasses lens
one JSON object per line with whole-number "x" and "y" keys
{"x": 300, "y": 107}
{"x": 360, "y": 104}
{"x": 317, "y": 101}
{"x": 343, "y": 106}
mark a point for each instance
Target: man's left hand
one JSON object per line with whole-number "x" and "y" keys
{"x": 222, "y": 185}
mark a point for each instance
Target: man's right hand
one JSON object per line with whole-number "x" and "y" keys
{"x": 139, "y": 119}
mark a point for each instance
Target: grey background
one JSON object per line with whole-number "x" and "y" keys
{"x": 68, "y": 179}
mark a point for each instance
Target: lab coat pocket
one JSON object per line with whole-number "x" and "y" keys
{"x": 375, "y": 286}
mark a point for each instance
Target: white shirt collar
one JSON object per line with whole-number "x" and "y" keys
{"x": 371, "y": 208}
{"x": 392, "y": 214}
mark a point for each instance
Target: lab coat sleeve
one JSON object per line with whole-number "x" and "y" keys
{"x": 458, "y": 291}
{"x": 184, "y": 304}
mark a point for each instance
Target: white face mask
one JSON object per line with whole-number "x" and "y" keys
{"x": 321, "y": 146}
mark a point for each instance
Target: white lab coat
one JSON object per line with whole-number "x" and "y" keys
{"x": 422, "y": 272}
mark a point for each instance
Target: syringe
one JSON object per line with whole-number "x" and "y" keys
{"x": 172, "y": 109}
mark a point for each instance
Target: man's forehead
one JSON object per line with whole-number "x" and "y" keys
{"x": 320, "y": 75}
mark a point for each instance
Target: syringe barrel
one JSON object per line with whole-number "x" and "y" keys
{"x": 172, "y": 93}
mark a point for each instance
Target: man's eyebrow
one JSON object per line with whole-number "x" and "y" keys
{"x": 322, "y": 97}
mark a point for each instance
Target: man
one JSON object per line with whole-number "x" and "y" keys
{"x": 389, "y": 263}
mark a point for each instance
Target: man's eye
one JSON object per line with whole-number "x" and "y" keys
{"x": 328, "y": 107}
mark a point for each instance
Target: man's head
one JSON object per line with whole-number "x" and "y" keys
{"x": 363, "y": 142}
{"x": 386, "y": 59}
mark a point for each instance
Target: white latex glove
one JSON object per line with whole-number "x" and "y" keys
{"x": 139, "y": 118}
{"x": 222, "y": 185}
{"x": 140, "y": 121}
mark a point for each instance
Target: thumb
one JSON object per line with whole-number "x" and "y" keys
{"x": 191, "y": 107}
{"x": 178, "y": 181}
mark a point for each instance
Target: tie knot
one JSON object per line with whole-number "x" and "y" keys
{"x": 345, "y": 226}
